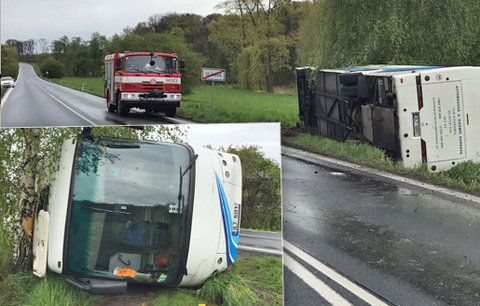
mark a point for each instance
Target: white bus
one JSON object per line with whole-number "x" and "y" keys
{"x": 122, "y": 211}
{"x": 419, "y": 114}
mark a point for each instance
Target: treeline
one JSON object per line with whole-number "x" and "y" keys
{"x": 9, "y": 61}
{"x": 254, "y": 41}
{"x": 261, "y": 197}
{"x": 357, "y": 32}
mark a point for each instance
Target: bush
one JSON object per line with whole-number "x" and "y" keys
{"x": 9, "y": 61}
{"x": 261, "y": 190}
{"x": 54, "y": 68}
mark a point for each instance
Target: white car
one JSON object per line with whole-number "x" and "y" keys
{"x": 7, "y": 82}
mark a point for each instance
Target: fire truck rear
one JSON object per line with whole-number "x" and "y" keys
{"x": 146, "y": 80}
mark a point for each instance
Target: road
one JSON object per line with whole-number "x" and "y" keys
{"x": 35, "y": 102}
{"x": 357, "y": 238}
{"x": 268, "y": 243}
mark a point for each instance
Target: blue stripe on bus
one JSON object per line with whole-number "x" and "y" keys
{"x": 231, "y": 239}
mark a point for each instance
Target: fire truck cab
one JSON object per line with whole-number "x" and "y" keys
{"x": 147, "y": 80}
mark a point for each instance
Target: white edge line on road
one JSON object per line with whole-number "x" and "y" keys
{"x": 5, "y": 97}
{"x": 314, "y": 282}
{"x": 310, "y": 157}
{"x": 68, "y": 107}
{"x": 260, "y": 250}
{"x": 259, "y": 236}
{"x": 335, "y": 276}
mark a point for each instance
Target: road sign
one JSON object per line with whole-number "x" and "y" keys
{"x": 214, "y": 74}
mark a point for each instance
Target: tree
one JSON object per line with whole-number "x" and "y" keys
{"x": 355, "y": 32}
{"x": 28, "y": 160}
{"x": 43, "y": 45}
{"x": 9, "y": 61}
{"x": 54, "y": 68}
{"x": 268, "y": 27}
{"x": 261, "y": 198}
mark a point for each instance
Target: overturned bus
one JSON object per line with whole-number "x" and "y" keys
{"x": 417, "y": 114}
{"x": 125, "y": 211}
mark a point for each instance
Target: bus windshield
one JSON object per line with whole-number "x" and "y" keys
{"x": 127, "y": 219}
{"x": 161, "y": 64}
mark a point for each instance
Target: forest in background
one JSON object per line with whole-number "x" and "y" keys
{"x": 260, "y": 42}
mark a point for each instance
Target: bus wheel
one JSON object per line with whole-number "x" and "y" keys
{"x": 171, "y": 111}
{"x": 122, "y": 109}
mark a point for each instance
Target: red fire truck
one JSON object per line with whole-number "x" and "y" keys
{"x": 147, "y": 80}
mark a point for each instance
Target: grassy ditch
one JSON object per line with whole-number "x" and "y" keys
{"x": 251, "y": 281}
{"x": 465, "y": 176}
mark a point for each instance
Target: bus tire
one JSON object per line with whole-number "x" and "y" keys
{"x": 171, "y": 111}
{"x": 122, "y": 110}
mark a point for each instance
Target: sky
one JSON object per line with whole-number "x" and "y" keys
{"x": 264, "y": 135}
{"x": 51, "y": 19}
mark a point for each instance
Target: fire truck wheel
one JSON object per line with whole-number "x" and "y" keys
{"x": 111, "y": 108}
{"x": 171, "y": 111}
{"x": 122, "y": 109}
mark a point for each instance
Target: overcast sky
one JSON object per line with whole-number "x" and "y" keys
{"x": 51, "y": 19}
{"x": 264, "y": 135}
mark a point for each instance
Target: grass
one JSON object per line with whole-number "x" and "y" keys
{"x": 232, "y": 105}
{"x": 237, "y": 105}
{"x": 465, "y": 176}
{"x": 92, "y": 86}
{"x": 251, "y": 281}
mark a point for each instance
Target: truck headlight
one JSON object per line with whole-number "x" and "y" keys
{"x": 129, "y": 96}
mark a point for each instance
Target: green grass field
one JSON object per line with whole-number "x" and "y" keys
{"x": 237, "y": 105}
{"x": 92, "y": 86}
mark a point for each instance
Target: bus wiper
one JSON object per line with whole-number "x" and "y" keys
{"x": 182, "y": 174}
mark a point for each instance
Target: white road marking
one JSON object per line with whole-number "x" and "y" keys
{"x": 68, "y": 107}
{"x": 312, "y": 157}
{"x": 315, "y": 283}
{"x": 260, "y": 236}
{"x": 335, "y": 276}
{"x": 260, "y": 250}
{"x": 5, "y": 97}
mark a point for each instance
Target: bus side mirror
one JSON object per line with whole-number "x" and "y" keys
{"x": 182, "y": 67}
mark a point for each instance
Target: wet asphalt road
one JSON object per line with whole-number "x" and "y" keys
{"x": 35, "y": 102}
{"x": 268, "y": 243}
{"x": 402, "y": 244}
